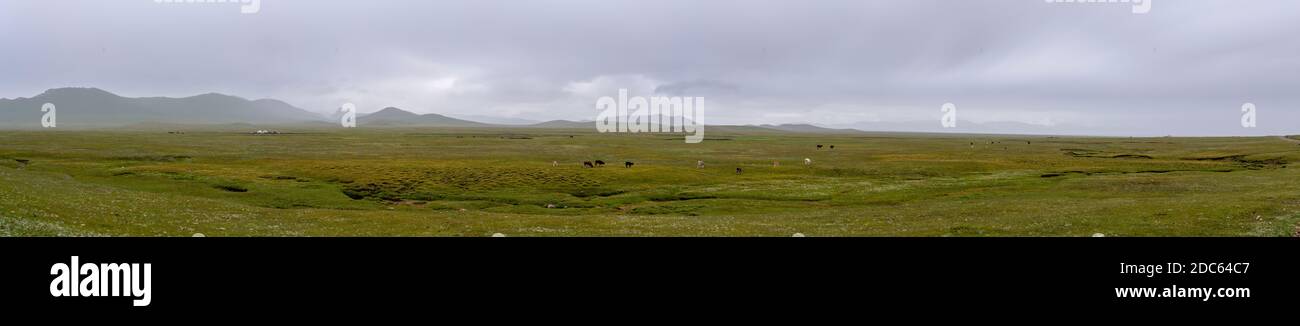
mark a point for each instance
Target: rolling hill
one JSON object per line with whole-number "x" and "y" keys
{"x": 807, "y": 128}
{"x": 93, "y": 107}
{"x": 564, "y": 124}
{"x": 392, "y": 116}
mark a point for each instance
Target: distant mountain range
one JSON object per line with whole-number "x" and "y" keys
{"x": 392, "y": 116}
{"x": 807, "y": 128}
{"x": 969, "y": 127}
{"x": 92, "y": 107}
{"x": 564, "y": 124}
{"x": 498, "y": 120}
{"x": 96, "y": 108}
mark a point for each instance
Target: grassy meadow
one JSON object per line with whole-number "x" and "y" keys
{"x": 476, "y": 182}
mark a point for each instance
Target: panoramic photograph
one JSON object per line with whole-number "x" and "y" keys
{"x": 649, "y": 118}
{"x": 645, "y": 158}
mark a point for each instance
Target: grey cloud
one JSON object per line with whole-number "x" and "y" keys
{"x": 1184, "y": 68}
{"x": 696, "y": 87}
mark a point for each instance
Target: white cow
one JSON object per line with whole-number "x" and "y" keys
{"x": 807, "y": 161}
{"x": 699, "y": 164}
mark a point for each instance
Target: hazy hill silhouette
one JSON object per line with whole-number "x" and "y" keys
{"x": 93, "y": 107}
{"x": 392, "y": 116}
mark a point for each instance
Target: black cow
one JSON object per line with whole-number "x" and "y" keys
{"x": 600, "y": 163}
{"x": 627, "y": 164}
{"x": 832, "y": 146}
{"x": 739, "y": 171}
{"x": 819, "y": 146}
{"x": 587, "y": 164}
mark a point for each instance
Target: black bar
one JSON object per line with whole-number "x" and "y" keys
{"x": 286, "y": 275}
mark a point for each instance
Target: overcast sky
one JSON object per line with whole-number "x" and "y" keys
{"x": 1184, "y": 68}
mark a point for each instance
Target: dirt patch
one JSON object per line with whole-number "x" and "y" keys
{"x": 284, "y": 178}
{"x": 1217, "y": 158}
{"x": 1062, "y": 174}
{"x": 1136, "y": 156}
{"x": 154, "y": 158}
{"x": 230, "y": 187}
{"x": 1172, "y": 171}
{"x": 1241, "y": 160}
{"x": 1079, "y": 152}
{"x": 387, "y": 190}
{"x": 1065, "y": 173}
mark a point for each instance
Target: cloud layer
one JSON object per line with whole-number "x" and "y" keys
{"x": 1185, "y": 68}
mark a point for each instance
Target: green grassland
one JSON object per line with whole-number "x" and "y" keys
{"x": 476, "y": 182}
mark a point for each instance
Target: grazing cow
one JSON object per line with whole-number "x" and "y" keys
{"x": 807, "y": 161}
{"x": 699, "y": 164}
{"x": 555, "y": 163}
{"x": 600, "y": 163}
{"x": 832, "y": 146}
{"x": 627, "y": 164}
{"x": 587, "y": 164}
{"x": 819, "y": 146}
{"x": 739, "y": 171}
